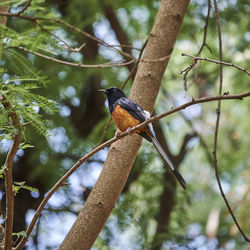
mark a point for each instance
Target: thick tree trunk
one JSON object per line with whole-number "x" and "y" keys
{"x": 122, "y": 154}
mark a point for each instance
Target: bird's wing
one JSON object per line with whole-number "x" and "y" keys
{"x": 138, "y": 113}
{"x": 134, "y": 109}
{"x": 141, "y": 115}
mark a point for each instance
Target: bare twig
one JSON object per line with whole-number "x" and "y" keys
{"x": 217, "y": 125}
{"x": 134, "y": 69}
{"x": 187, "y": 69}
{"x": 9, "y": 191}
{"x": 201, "y": 48}
{"x": 214, "y": 61}
{"x": 8, "y": 174}
{"x": 80, "y": 65}
{"x": 205, "y": 30}
{"x": 108, "y": 143}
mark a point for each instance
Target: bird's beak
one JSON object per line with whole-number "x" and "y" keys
{"x": 102, "y": 90}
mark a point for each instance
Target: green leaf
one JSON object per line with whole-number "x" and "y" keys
{"x": 19, "y": 185}
{"x": 26, "y": 145}
{"x": 20, "y": 234}
{"x": 2, "y": 171}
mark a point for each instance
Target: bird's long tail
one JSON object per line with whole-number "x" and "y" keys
{"x": 168, "y": 162}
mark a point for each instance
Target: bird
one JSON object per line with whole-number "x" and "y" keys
{"x": 127, "y": 114}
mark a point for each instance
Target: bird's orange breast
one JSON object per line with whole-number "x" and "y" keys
{"x": 122, "y": 119}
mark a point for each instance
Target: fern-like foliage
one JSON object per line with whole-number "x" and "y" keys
{"x": 18, "y": 91}
{"x": 19, "y": 79}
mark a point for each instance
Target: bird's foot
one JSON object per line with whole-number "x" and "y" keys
{"x": 128, "y": 130}
{"x": 118, "y": 133}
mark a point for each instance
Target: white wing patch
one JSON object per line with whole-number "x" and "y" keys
{"x": 147, "y": 114}
{"x": 150, "y": 126}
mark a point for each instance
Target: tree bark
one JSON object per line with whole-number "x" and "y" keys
{"x": 4, "y": 8}
{"x": 122, "y": 153}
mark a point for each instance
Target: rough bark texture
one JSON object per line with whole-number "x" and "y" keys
{"x": 3, "y": 8}
{"x": 122, "y": 154}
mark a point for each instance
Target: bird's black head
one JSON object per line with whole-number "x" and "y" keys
{"x": 113, "y": 95}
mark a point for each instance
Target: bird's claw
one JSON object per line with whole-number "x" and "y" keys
{"x": 128, "y": 131}
{"x": 118, "y": 133}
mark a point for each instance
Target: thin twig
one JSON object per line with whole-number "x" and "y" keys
{"x": 71, "y": 27}
{"x": 108, "y": 143}
{"x": 187, "y": 69}
{"x": 214, "y": 61}
{"x": 217, "y": 125}
{"x": 36, "y": 22}
{"x": 9, "y": 192}
{"x": 59, "y": 39}
{"x": 205, "y": 30}
{"x": 80, "y": 65}
{"x": 201, "y": 48}
{"x": 8, "y": 173}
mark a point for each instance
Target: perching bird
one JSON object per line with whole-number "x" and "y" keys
{"x": 127, "y": 114}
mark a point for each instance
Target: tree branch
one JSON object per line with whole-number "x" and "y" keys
{"x": 183, "y": 150}
{"x": 8, "y": 174}
{"x": 116, "y": 26}
{"x": 195, "y": 59}
{"x": 71, "y": 27}
{"x": 80, "y": 65}
{"x": 108, "y": 143}
{"x": 10, "y": 192}
{"x": 202, "y": 45}
{"x": 205, "y": 29}
{"x": 217, "y": 124}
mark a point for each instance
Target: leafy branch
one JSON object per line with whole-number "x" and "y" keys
{"x": 8, "y": 174}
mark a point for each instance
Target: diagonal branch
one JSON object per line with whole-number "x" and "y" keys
{"x": 183, "y": 150}
{"x": 108, "y": 143}
{"x": 116, "y": 26}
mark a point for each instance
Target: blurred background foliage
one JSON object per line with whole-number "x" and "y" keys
{"x": 152, "y": 212}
